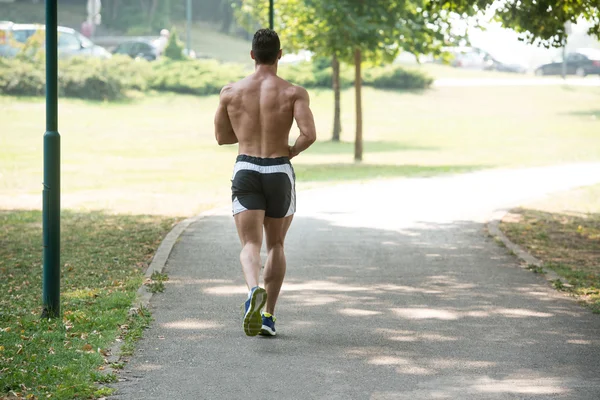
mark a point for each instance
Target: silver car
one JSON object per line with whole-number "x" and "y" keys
{"x": 14, "y": 37}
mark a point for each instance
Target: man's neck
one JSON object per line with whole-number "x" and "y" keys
{"x": 265, "y": 69}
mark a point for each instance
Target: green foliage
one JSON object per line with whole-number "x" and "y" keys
{"x": 21, "y": 77}
{"x": 380, "y": 28}
{"x": 539, "y": 21}
{"x": 102, "y": 261}
{"x": 382, "y": 77}
{"x": 97, "y": 79}
{"x": 137, "y": 17}
{"x": 174, "y": 49}
{"x": 200, "y": 77}
{"x": 80, "y": 77}
{"x": 310, "y": 75}
{"x": 396, "y": 77}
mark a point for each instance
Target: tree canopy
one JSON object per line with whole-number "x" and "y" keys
{"x": 540, "y": 22}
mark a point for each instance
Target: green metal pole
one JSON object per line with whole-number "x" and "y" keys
{"x": 189, "y": 27}
{"x": 51, "y": 193}
{"x": 271, "y": 17}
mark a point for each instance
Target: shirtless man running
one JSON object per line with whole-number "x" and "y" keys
{"x": 257, "y": 112}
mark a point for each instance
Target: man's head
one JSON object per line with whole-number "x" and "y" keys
{"x": 266, "y": 48}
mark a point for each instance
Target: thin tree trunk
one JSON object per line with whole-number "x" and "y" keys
{"x": 358, "y": 143}
{"x": 337, "y": 123}
{"x": 152, "y": 12}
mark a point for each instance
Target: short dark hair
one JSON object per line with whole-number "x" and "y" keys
{"x": 266, "y": 46}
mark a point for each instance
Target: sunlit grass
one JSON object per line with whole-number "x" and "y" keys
{"x": 564, "y": 232}
{"x": 157, "y": 154}
{"x": 102, "y": 260}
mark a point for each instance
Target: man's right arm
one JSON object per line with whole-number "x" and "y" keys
{"x": 306, "y": 123}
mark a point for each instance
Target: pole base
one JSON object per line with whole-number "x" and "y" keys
{"x": 48, "y": 313}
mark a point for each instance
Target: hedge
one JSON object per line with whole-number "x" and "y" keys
{"x": 111, "y": 79}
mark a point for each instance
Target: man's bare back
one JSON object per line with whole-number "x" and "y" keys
{"x": 258, "y": 111}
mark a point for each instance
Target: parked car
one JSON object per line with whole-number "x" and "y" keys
{"x": 581, "y": 62}
{"x": 505, "y": 63}
{"x": 13, "y": 38}
{"x": 148, "y": 49}
{"x": 469, "y": 57}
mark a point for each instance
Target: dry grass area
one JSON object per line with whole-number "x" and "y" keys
{"x": 564, "y": 232}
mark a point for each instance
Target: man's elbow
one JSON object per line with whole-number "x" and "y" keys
{"x": 223, "y": 139}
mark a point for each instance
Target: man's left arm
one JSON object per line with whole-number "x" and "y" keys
{"x": 223, "y": 130}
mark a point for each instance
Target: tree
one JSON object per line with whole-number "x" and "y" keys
{"x": 540, "y": 22}
{"x": 174, "y": 49}
{"x": 353, "y": 32}
{"x": 375, "y": 31}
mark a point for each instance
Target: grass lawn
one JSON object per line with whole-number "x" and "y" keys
{"x": 564, "y": 232}
{"x": 103, "y": 257}
{"x": 131, "y": 169}
{"x": 158, "y": 155}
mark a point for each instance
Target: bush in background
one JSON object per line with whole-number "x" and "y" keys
{"x": 21, "y": 77}
{"x": 320, "y": 75}
{"x": 200, "y": 77}
{"x": 174, "y": 49}
{"x": 396, "y": 77}
{"x": 79, "y": 77}
{"x": 111, "y": 79}
{"x": 317, "y": 75}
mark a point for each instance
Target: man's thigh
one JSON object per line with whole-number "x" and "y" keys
{"x": 250, "y": 226}
{"x": 276, "y": 229}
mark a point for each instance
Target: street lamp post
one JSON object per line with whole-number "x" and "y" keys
{"x": 189, "y": 28}
{"x": 271, "y": 16}
{"x": 51, "y": 191}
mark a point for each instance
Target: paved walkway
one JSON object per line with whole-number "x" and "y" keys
{"x": 393, "y": 291}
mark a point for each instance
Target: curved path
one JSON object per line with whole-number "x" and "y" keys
{"x": 394, "y": 291}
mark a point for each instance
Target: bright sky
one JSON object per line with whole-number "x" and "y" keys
{"x": 504, "y": 42}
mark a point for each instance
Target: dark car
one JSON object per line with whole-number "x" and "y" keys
{"x": 581, "y": 63}
{"x": 505, "y": 63}
{"x": 14, "y": 37}
{"x": 147, "y": 49}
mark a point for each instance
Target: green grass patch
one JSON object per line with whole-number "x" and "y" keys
{"x": 157, "y": 154}
{"x": 103, "y": 257}
{"x": 353, "y": 172}
{"x": 564, "y": 232}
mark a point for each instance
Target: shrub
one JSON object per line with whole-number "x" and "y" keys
{"x": 80, "y": 77}
{"x": 101, "y": 79}
{"x": 318, "y": 75}
{"x": 174, "y": 49}
{"x": 396, "y": 77}
{"x": 200, "y": 77}
{"x": 21, "y": 78}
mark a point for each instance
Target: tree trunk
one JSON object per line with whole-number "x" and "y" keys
{"x": 337, "y": 123}
{"x": 152, "y": 12}
{"x": 358, "y": 143}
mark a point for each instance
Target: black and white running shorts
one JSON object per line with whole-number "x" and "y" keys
{"x": 264, "y": 184}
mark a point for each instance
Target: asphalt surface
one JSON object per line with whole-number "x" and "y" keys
{"x": 393, "y": 291}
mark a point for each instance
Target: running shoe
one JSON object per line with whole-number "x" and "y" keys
{"x": 268, "y": 325}
{"x": 252, "y": 319}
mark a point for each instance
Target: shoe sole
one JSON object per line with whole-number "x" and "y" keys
{"x": 266, "y": 331}
{"x": 253, "y": 320}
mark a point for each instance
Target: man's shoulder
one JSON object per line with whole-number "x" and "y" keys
{"x": 292, "y": 90}
{"x": 297, "y": 92}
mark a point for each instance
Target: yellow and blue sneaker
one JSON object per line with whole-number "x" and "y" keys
{"x": 268, "y": 325}
{"x": 252, "y": 319}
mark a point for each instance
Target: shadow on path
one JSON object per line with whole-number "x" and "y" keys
{"x": 434, "y": 311}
